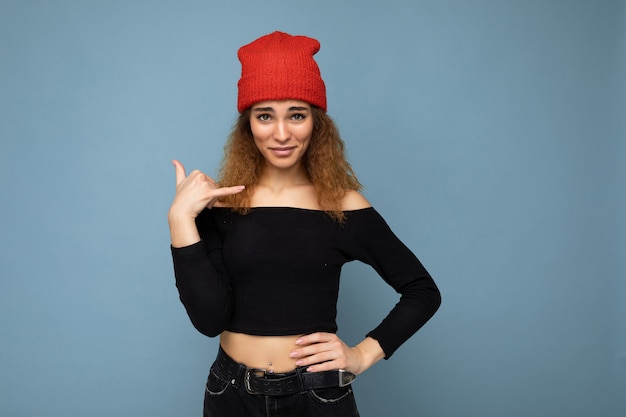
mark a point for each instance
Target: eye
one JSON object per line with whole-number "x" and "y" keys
{"x": 264, "y": 117}
{"x": 298, "y": 116}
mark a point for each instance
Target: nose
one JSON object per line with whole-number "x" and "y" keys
{"x": 282, "y": 133}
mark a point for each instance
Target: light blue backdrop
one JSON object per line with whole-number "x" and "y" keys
{"x": 490, "y": 134}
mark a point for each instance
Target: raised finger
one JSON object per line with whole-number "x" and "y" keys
{"x": 180, "y": 171}
{"x": 220, "y": 192}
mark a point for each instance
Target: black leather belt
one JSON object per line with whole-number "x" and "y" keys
{"x": 259, "y": 381}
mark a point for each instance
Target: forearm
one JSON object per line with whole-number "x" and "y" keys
{"x": 204, "y": 291}
{"x": 418, "y": 304}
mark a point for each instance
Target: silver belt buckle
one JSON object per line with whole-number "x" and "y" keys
{"x": 246, "y": 379}
{"x": 345, "y": 377}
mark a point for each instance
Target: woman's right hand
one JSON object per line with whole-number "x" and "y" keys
{"x": 193, "y": 194}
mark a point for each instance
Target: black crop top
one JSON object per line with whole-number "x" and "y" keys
{"x": 275, "y": 271}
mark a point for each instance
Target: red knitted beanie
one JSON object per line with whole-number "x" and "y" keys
{"x": 280, "y": 66}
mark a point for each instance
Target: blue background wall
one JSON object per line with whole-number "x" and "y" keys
{"x": 490, "y": 134}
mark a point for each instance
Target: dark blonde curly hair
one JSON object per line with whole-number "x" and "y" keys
{"x": 324, "y": 161}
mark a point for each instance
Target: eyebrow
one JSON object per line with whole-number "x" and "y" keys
{"x": 271, "y": 109}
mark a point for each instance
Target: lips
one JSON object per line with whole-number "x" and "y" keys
{"x": 283, "y": 150}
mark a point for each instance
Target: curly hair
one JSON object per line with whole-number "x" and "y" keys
{"x": 324, "y": 162}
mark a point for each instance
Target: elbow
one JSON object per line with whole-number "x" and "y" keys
{"x": 208, "y": 329}
{"x": 210, "y": 325}
{"x": 209, "y": 316}
{"x": 435, "y": 300}
{"x": 209, "y": 321}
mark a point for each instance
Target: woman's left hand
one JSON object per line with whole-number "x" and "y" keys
{"x": 326, "y": 351}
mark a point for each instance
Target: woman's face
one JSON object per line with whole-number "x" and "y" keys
{"x": 282, "y": 131}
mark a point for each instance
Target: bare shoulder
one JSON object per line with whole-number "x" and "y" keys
{"x": 353, "y": 200}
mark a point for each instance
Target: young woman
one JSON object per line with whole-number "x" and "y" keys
{"x": 258, "y": 254}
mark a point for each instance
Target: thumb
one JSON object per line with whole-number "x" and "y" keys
{"x": 180, "y": 171}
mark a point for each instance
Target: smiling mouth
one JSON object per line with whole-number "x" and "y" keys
{"x": 283, "y": 151}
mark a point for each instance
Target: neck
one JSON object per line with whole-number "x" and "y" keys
{"x": 280, "y": 179}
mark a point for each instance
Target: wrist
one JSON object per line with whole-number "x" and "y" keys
{"x": 369, "y": 352}
{"x": 183, "y": 230}
{"x": 175, "y": 217}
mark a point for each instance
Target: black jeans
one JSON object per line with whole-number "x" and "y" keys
{"x": 227, "y": 397}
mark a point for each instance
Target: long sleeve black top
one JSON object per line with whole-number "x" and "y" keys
{"x": 275, "y": 271}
